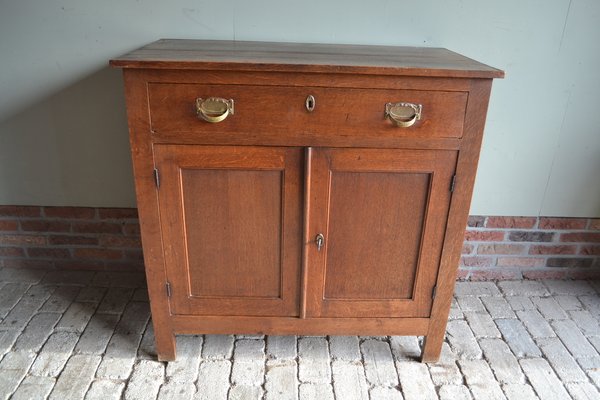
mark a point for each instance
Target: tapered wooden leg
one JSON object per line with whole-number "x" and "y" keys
{"x": 166, "y": 346}
{"x": 432, "y": 344}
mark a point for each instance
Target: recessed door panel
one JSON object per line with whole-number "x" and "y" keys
{"x": 382, "y": 214}
{"x": 231, "y": 224}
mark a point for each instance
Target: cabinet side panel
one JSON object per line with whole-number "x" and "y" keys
{"x": 466, "y": 169}
{"x": 147, "y": 203}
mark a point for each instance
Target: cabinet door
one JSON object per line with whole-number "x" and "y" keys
{"x": 382, "y": 214}
{"x": 231, "y": 223}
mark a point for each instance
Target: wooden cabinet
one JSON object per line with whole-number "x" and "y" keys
{"x": 302, "y": 189}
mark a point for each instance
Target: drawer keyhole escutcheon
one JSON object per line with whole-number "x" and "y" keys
{"x": 403, "y": 114}
{"x": 310, "y": 103}
{"x": 320, "y": 241}
{"x": 214, "y": 109}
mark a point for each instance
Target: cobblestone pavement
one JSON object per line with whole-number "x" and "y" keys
{"x": 80, "y": 334}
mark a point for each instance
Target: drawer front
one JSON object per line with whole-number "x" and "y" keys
{"x": 267, "y": 111}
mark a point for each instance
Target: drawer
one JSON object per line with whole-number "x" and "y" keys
{"x": 282, "y": 111}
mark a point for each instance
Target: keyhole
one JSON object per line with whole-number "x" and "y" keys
{"x": 310, "y": 103}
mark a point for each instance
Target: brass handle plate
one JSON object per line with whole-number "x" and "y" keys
{"x": 403, "y": 114}
{"x": 320, "y": 241}
{"x": 214, "y": 109}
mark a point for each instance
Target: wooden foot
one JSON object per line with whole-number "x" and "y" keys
{"x": 166, "y": 346}
{"x": 432, "y": 347}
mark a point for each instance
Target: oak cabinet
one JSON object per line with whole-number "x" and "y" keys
{"x": 302, "y": 189}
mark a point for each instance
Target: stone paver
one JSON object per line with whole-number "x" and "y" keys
{"x": 185, "y": 368}
{"x": 461, "y": 340}
{"x": 517, "y": 338}
{"x": 561, "y": 360}
{"x": 480, "y": 380}
{"x": 86, "y": 335}
{"x": 379, "y": 364}
{"x": 344, "y": 348}
{"x": 454, "y": 392}
{"x": 518, "y": 391}
{"x": 218, "y": 346}
{"x": 349, "y": 381}
{"x": 281, "y": 347}
{"x": 34, "y": 387}
{"x": 145, "y": 380}
{"x": 503, "y": 363}
{"x": 54, "y": 354}
{"x": 314, "y": 391}
{"x": 281, "y": 380}
{"x": 76, "y": 377}
{"x": 543, "y": 379}
{"x": 248, "y": 362}
{"x": 416, "y": 382}
{"x": 213, "y": 380}
{"x": 313, "y": 353}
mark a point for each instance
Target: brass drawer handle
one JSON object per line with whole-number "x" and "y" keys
{"x": 214, "y": 109}
{"x": 403, "y": 114}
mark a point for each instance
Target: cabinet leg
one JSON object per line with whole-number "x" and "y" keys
{"x": 166, "y": 346}
{"x": 432, "y": 346}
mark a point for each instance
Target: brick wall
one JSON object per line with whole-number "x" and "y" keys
{"x": 70, "y": 238}
{"x": 109, "y": 239}
{"x": 530, "y": 247}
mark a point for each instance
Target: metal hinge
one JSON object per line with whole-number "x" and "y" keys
{"x": 433, "y": 292}
{"x": 156, "y": 178}
{"x": 453, "y": 183}
{"x": 168, "y": 287}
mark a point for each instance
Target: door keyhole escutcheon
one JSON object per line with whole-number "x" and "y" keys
{"x": 320, "y": 241}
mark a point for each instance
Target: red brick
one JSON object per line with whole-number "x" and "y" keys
{"x": 96, "y": 227}
{"x": 118, "y": 213}
{"x": 125, "y": 266}
{"x": 511, "y": 222}
{"x": 484, "y": 236}
{"x": 587, "y": 273}
{"x": 546, "y": 274}
{"x": 27, "y": 263}
{"x": 525, "y": 236}
{"x": 134, "y": 254}
{"x": 497, "y": 248}
{"x": 45, "y": 226}
{"x": 553, "y": 249}
{"x": 476, "y": 221}
{"x": 570, "y": 262}
{"x": 11, "y": 252}
{"x": 590, "y": 250}
{"x": 562, "y": 223}
{"x": 121, "y": 241}
{"x": 8, "y": 225}
{"x": 90, "y": 265}
{"x": 20, "y": 211}
{"x": 23, "y": 240}
{"x": 68, "y": 239}
{"x": 131, "y": 229}
{"x": 99, "y": 254}
{"x": 70, "y": 212}
{"x": 495, "y": 274}
{"x": 584, "y": 237}
{"x": 462, "y": 274}
{"x": 521, "y": 262}
{"x": 48, "y": 252}
{"x": 594, "y": 224}
{"x": 468, "y": 261}
{"x": 467, "y": 248}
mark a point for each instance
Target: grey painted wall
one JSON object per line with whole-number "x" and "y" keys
{"x": 63, "y": 135}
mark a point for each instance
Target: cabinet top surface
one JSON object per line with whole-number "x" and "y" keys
{"x": 302, "y": 57}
